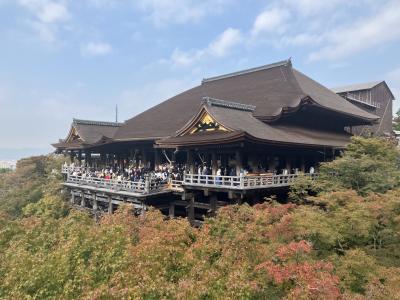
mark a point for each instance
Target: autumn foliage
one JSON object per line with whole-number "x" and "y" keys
{"x": 341, "y": 244}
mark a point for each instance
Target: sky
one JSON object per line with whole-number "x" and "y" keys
{"x": 64, "y": 59}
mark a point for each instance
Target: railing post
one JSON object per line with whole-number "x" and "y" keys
{"x": 241, "y": 180}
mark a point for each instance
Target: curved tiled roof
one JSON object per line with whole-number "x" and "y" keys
{"x": 242, "y": 124}
{"x": 272, "y": 89}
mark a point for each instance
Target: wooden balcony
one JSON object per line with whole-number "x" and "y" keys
{"x": 150, "y": 186}
{"x": 242, "y": 182}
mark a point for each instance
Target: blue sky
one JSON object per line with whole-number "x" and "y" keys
{"x": 61, "y": 59}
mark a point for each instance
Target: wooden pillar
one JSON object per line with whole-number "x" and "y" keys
{"x": 95, "y": 204}
{"x": 302, "y": 164}
{"x": 72, "y": 197}
{"x": 213, "y": 204}
{"x": 190, "y": 212}
{"x": 173, "y": 157}
{"x": 71, "y": 156}
{"x": 172, "y": 210}
{"x": 288, "y": 164}
{"x": 80, "y": 157}
{"x": 190, "y": 161}
{"x": 157, "y": 158}
{"x": 214, "y": 164}
{"x": 144, "y": 158}
{"x": 110, "y": 205}
{"x": 238, "y": 159}
{"x": 83, "y": 199}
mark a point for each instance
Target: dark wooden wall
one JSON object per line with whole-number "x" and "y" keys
{"x": 383, "y": 96}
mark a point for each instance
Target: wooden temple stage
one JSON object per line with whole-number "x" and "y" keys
{"x": 105, "y": 195}
{"x": 271, "y": 123}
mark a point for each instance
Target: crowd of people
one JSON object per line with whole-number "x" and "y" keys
{"x": 160, "y": 174}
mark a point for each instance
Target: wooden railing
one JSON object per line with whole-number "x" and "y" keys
{"x": 143, "y": 186}
{"x": 243, "y": 182}
{"x": 70, "y": 169}
{"x": 149, "y": 185}
{"x": 175, "y": 185}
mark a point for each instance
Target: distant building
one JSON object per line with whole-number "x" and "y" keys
{"x": 8, "y": 164}
{"x": 375, "y": 98}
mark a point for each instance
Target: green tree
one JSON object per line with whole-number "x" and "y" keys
{"x": 367, "y": 165}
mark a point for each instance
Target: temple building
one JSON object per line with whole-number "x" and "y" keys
{"x": 235, "y": 137}
{"x": 373, "y": 97}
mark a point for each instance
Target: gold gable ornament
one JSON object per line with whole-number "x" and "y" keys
{"x": 206, "y": 124}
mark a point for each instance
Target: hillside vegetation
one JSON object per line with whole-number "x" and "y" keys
{"x": 337, "y": 238}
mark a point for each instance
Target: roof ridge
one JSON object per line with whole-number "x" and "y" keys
{"x": 228, "y": 104}
{"x": 98, "y": 123}
{"x": 251, "y": 70}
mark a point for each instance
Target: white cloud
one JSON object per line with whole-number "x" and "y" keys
{"x": 310, "y": 8}
{"x": 47, "y": 11}
{"x": 179, "y": 11}
{"x": 273, "y": 20}
{"x": 96, "y": 49}
{"x": 220, "y": 47}
{"x": 47, "y": 17}
{"x": 364, "y": 34}
{"x": 228, "y": 39}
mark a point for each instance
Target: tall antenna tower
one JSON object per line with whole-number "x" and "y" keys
{"x": 116, "y": 113}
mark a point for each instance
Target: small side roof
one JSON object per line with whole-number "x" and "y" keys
{"x": 92, "y": 131}
{"x": 84, "y": 133}
{"x": 356, "y": 87}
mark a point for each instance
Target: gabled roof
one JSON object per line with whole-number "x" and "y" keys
{"x": 92, "y": 131}
{"x": 242, "y": 125}
{"x": 356, "y": 87}
{"x": 361, "y": 87}
{"x": 84, "y": 133}
{"x": 273, "y": 89}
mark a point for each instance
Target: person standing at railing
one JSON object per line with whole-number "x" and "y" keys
{"x": 312, "y": 170}
{"x": 219, "y": 178}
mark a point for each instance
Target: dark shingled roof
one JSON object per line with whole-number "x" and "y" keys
{"x": 272, "y": 89}
{"x": 356, "y": 87}
{"x": 243, "y": 125}
{"x": 90, "y": 132}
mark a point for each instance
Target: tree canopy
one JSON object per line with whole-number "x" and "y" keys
{"x": 346, "y": 247}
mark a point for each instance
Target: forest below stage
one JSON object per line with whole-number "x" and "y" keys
{"x": 336, "y": 238}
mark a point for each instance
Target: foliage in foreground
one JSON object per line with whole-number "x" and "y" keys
{"x": 270, "y": 251}
{"x": 345, "y": 247}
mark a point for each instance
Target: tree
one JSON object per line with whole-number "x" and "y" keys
{"x": 396, "y": 119}
{"x": 367, "y": 165}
